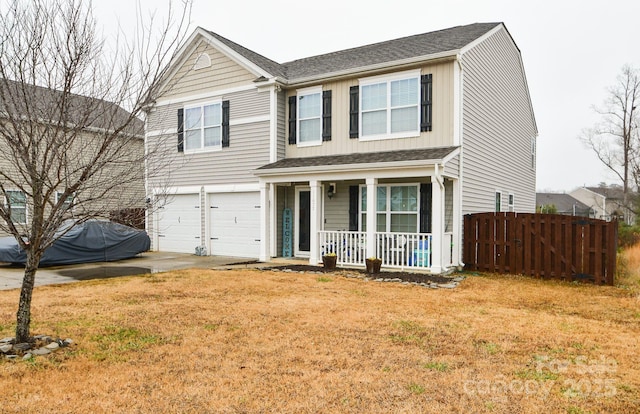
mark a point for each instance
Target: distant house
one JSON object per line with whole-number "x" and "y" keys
{"x": 562, "y": 203}
{"x": 607, "y": 202}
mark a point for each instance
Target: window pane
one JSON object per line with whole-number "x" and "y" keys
{"x": 404, "y": 92}
{"x": 382, "y": 199}
{"x": 363, "y": 199}
{"x": 374, "y": 96}
{"x": 192, "y": 118}
{"x": 192, "y": 139}
{"x": 212, "y": 136}
{"x": 404, "y": 119}
{"x": 17, "y": 198}
{"x": 404, "y": 198}
{"x": 381, "y": 223}
{"x": 213, "y": 115}
{"x": 309, "y": 106}
{"x": 374, "y": 123}
{"x": 363, "y": 222}
{"x": 404, "y": 223}
{"x": 309, "y": 130}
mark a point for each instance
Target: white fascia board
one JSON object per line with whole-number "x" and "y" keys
{"x": 232, "y": 188}
{"x": 367, "y": 70}
{"x": 450, "y": 156}
{"x": 481, "y": 39}
{"x": 241, "y": 60}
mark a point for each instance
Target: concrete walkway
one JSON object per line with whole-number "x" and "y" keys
{"x": 149, "y": 262}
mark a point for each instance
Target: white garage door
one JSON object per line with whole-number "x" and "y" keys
{"x": 179, "y": 224}
{"x": 235, "y": 224}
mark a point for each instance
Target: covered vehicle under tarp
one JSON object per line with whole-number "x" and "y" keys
{"x": 91, "y": 241}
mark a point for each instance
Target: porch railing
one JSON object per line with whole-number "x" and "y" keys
{"x": 404, "y": 250}
{"x": 398, "y": 250}
{"x": 349, "y": 246}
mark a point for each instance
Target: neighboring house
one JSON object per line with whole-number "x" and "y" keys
{"x": 562, "y": 203}
{"x": 37, "y": 108}
{"x": 279, "y": 160}
{"x": 607, "y": 202}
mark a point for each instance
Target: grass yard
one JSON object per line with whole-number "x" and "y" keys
{"x": 251, "y": 341}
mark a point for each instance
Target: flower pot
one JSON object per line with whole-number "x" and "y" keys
{"x": 329, "y": 262}
{"x": 373, "y": 265}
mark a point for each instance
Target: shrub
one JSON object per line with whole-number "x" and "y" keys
{"x": 628, "y": 235}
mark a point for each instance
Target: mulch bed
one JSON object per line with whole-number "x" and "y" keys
{"x": 410, "y": 277}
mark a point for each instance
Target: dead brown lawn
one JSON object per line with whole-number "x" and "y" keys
{"x": 253, "y": 341}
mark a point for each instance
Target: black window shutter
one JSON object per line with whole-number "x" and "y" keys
{"x": 425, "y": 102}
{"x": 354, "y": 193}
{"x": 292, "y": 120}
{"x": 225, "y": 124}
{"x": 180, "y": 130}
{"x": 354, "y": 97}
{"x": 425, "y": 208}
{"x": 326, "y": 116}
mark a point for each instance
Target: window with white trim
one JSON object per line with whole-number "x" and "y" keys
{"x": 396, "y": 208}
{"x": 511, "y": 202}
{"x": 17, "y": 200}
{"x": 390, "y": 106}
{"x": 309, "y": 117}
{"x": 498, "y": 202}
{"x": 203, "y": 127}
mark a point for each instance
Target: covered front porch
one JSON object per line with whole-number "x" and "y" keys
{"x": 309, "y": 211}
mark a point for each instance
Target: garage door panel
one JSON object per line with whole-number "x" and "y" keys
{"x": 235, "y": 224}
{"x": 179, "y": 224}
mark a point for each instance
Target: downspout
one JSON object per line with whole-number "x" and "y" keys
{"x": 460, "y": 162}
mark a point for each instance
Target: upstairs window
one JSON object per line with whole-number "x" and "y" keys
{"x": 17, "y": 200}
{"x": 310, "y": 117}
{"x": 390, "y": 106}
{"x": 203, "y": 127}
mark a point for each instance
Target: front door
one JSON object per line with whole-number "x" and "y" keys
{"x": 303, "y": 221}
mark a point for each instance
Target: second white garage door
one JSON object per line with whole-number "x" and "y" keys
{"x": 235, "y": 224}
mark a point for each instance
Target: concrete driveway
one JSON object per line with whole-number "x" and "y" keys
{"x": 149, "y": 262}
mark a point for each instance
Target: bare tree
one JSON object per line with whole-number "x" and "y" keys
{"x": 71, "y": 133}
{"x": 615, "y": 138}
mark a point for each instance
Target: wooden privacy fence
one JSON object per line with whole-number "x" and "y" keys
{"x": 542, "y": 245}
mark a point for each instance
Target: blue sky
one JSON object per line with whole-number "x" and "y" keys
{"x": 572, "y": 51}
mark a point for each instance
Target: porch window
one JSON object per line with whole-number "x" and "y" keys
{"x": 396, "y": 208}
{"x": 18, "y": 202}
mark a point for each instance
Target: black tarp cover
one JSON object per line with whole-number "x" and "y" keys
{"x": 92, "y": 241}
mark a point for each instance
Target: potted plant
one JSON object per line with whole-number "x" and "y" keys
{"x": 329, "y": 261}
{"x": 373, "y": 265}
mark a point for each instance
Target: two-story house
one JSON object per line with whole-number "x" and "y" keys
{"x": 376, "y": 151}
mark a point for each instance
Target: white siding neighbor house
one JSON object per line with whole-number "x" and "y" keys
{"x": 375, "y": 151}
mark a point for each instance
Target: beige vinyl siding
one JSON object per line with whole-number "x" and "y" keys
{"x": 498, "y": 126}
{"x": 223, "y": 73}
{"x": 336, "y": 209}
{"x": 440, "y": 136}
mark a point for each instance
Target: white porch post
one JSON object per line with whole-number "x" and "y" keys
{"x": 372, "y": 192}
{"x": 457, "y": 224}
{"x": 273, "y": 223}
{"x": 265, "y": 222}
{"x": 316, "y": 216}
{"x": 437, "y": 223}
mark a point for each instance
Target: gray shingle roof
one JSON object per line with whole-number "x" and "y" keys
{"x": 429, "y": 154}
{"x": 564, "y": 203}
{"x": 445, "y": 40}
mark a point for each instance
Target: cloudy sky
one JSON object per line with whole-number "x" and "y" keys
{"x": 572, "y": 51}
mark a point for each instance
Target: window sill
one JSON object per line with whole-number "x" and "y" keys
{"x": 411, "y": 134}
